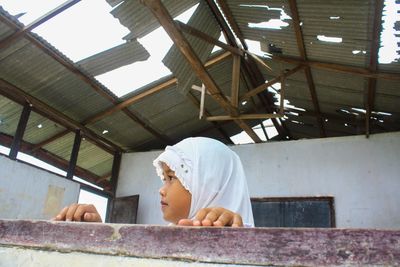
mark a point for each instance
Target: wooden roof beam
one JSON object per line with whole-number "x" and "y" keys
{"x": 302, "y": 51}
{"x": 12, "y": 92}
{"x": 369, "y": 99}
{"x": 194, "y": 100}
{"x": 88, "y": 80}
{"x": 249, "y": 65}
{"x": 130, "y": 101}
{"x": 165, "y": 19}
{"x": 363, "y": 72}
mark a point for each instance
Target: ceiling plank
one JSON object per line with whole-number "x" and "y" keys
{"x": 303, "y": 55}
{"x": 165, "y": 19}
{"x": 370, "y": 90}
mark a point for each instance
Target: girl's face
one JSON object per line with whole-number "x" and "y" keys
{"x": 175, "y": 199}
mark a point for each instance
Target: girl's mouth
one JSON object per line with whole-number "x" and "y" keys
{"x": 163, "y": 204}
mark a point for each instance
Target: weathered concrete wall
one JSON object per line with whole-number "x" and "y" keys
{"x": 41, "y": 243}
{"x": 361, "y": 174}
{"x": 27, "y": 192}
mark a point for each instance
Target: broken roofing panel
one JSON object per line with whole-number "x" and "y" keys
{"x": 333, "y": 30}
{"x": 138, "y": 18}
{"x": 268, "y": 23}
{"x": 204, "y": 21}
{"x": 115, "y": 57}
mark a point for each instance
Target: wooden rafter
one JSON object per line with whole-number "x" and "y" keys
{"x": 228, "y": 14}
{"x": 307, "y": 70}
{"x": 88, "y": 80}
{"x": 194, "y": 100}
{"x": 249, "y": 66}
{"x": 165, "y": 19}
{"x": 264, "y": 86}
{"x": 373, "y": 64}
{"x": 363, "y": 72}
{"x": 12, "y": 92}
{"x": 130, "y": 101}
{"x": 235, "y": 81}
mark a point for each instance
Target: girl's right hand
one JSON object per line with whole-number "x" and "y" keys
{"x": 216, "y": 216}
{"x": 79, "y": 213}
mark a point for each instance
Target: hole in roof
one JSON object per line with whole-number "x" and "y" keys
{"x": 129, "y": 78}
{"x": 255, "y": 48}
{"x": 329, "y": 39}
{"x": 221, "y": 39}
{"x": 28, "y": 11}
{"x": 286, "y": 103}
{"x": 356, "y": 52}
{"x": 244, "y": 138}
{"x": 390, "y": 37}
{"x": 276, "y": 24}
{"x": 79, "y": 35}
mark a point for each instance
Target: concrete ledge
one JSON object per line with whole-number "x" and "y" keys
{"x": 252, "y": 246}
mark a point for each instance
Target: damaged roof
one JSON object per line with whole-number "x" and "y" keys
{"x": 330, "y": 88}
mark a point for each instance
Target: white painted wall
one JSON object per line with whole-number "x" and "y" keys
{"x": 27, "y": 192}
{"x": 363, "y": 175}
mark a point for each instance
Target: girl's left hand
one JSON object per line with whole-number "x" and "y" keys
{"x": 216, "y": 216}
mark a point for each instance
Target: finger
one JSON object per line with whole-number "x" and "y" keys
{"x": 237, "y": 221}
{"x": 70, "y": 213}
{"x": 211, "y": 217}
{"x": 81, "y": 210}
{"x": 201, "y": 214}
{"x": 61, "y": 216}
{"x": 92, "y": 217}
{"x": 185, "y": 222}
{"x": 226, "y": 218}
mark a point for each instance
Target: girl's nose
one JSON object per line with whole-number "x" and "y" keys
{"x": 162, "y": 191}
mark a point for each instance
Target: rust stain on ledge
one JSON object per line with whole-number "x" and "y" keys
{"x": 257, "y": 246}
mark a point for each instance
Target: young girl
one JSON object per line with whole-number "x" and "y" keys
{"x": 204, "y": 185}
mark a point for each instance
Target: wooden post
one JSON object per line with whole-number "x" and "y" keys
{"x": 19, "y": 134}
{"x": 74, "y": 155}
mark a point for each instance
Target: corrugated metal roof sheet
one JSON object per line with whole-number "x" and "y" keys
{"x": 42, "y": 77}
{"x": 94, "y": 159}
{"x": 35, "y": 134}
{"x": 256, "y": 11}
{"x": 121, "y": 130}
{"x": 202, "y": 20}
{"x": 114, "y": 58}
{"x": 170, "y": 112}
{"x": 9, "y": 115}
{"x": 140, "y": 21}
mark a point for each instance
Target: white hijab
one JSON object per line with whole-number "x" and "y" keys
{"x": 212, "y": 173}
